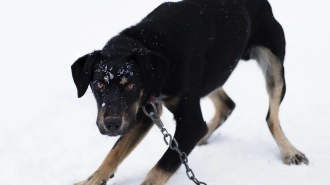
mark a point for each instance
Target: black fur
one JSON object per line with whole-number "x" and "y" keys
{"x": 182, "y": 49}
{"x": 81, "y": 71}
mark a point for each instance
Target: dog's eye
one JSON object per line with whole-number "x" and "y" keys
{"x": 100, "y": 85}
{"x": 130, "y": 86}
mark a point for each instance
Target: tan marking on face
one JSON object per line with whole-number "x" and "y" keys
{"x": 100, "y": 116}
{"x": 123, "y": 81}
{"x": 136, "y": 106}
{"x": 138, "y": 102}
{"x": 119, "y": 152}
{"x": 132, "y": 110}
{"x": 124, "y": 122}
{"x": 156, "y": 176}
{"x": 129, "y": 113}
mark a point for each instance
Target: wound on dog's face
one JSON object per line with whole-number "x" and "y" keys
{"x": 116, "y": 86}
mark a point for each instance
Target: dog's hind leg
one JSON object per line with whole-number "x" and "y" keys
{"x": 120, "y": 151}
{"x": 273, "y": 70}
{"x": 223, "y": 108}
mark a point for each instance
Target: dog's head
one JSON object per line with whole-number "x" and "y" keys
{"x": 121, "y": 85}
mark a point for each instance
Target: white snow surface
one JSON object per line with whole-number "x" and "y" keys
{"x": 49, "y": 136}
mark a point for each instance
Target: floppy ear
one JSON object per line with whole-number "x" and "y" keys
{"x": 154, "y": 70}
{"x": 82, "y": 70}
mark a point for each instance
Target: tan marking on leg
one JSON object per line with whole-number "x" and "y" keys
{"x": 171, "y": 103}
{"x": 156, "y": 176}
{"x": 272, "y": 68}
{"x": 119, "y": 152}
{"x": 218, "y": 97}
{"x": 100, "y": 118}
{"x": 159, "y": 109}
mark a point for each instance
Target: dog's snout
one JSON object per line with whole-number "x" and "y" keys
{"x": 112, "y": 123}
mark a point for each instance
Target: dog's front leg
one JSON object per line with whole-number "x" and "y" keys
{"x": 118, "y": 153}
{"x": 189, "y": 130}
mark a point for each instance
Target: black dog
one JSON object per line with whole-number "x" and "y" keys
{"x": 179, "y": 53}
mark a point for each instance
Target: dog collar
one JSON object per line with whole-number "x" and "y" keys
{"x": 151, "y": 99}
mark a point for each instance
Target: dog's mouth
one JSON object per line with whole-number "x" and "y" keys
{"x": 112, "y": 135}
{"x": 103, "y": 131}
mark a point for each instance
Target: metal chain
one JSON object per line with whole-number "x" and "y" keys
{"x": 172, "y": 143}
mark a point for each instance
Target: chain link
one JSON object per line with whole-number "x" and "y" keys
{"x": 172, "y": 143}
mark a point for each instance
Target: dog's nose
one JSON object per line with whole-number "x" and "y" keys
{"x": 113, "y": 123}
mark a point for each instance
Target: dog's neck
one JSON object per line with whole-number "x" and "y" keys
{"x": 122, "y": 45}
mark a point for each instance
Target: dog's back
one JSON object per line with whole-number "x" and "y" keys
{"x": 220, "y": 33}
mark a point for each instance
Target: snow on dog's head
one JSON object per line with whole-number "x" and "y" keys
{"x": 121, "y": 84}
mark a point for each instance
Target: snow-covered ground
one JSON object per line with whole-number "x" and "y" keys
{"x": 48, "y": 135}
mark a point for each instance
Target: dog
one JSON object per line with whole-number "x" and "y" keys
{"x": 179, "y": 53}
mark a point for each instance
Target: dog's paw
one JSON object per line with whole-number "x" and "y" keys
{"x": 295, "y": 157}
{"x": 96, "y": 179}
{"x": 156, "y": 176}
{"x": 150, "y": 183}
{"x": 153, "y": 181}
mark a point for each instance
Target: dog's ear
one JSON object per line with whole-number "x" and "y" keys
{"x": 82, "y": 70}
{"x": 154, "y": 68}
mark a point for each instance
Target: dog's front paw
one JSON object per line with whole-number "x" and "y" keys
{"x": 153, "y": 181}
{"x": 294, "y": 157}
{"x": 150, "y": 183}
{"x": 96, "y": 179}
{"x": 156, "y": 176}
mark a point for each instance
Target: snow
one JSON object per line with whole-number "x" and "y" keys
{"x": 49, "y": 136}
{"x": 111, "y": 75}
